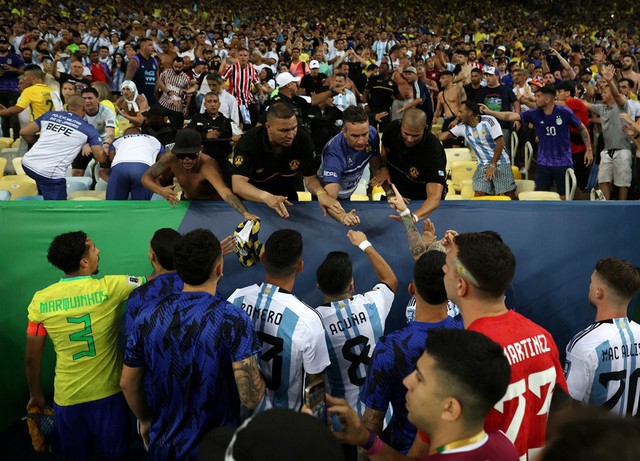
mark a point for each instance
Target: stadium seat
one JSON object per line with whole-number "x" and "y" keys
{"x": 516, "y": 172}
{"x": 84, "y": 180}
{"x": 5, "y": 142}
{"x": 101, "y": 185}
{"x": 359, "y": 198}
{"x": 492, "y": 197}
{"x": 524, "y": 185}
{"x": 3, "y": 164}
{"x": 87, "y": 195}
{"x": 16, "y": 143}
{"x": 157, "y": 197}
{"x": 9, "y": 153}
{"x": 303, "y": 196}
{"x": 453, "y": 197}
{"x": 538, "y": 195}
{"x": 29, "y": 198}
{"x": 17, "y": 166}
{"x": 570, "y": 184}
{"x": 376, "y": 193}
{"x": 515, "y": 142}
{"x": 436, "y": 129}
{"x": 462, "y": 170}
{"x": 528, "y": 157}
{"x": 74, "y": 185}
{"x": 466, "y": 188}
{"x": 5, "y": 195}
{"x": 456, "y": 154}
{"x": 19, "y": 186}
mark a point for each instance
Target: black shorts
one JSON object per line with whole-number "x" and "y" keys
{"x": 580, "y": 169}
{"x": 81, "y": 162}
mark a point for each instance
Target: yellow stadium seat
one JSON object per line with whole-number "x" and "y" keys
{"x": 492, "y": 197}
{"x": 516, "y": 172}
{"x": 462, "y": 170}
{"x": 376, "y": 193}
{"x": 304, "y": 196}
{"x": 515, "y": 142}
{"x": 538, "y": 195}
{"x": 453, "y": 197}
{"x": 19, "y": 186}
{"x": 570, "y": 184}
{"x": 9, "y": 153}
{"x": 457, "y": 154}
{"x": 3, "y": 164}
{"x": 16, "y": 143}
{"x": 5, "y": 142}
{"x": 87, "y": 195}
{"x": 359, "y": 198}
{"x": 436, "y": 129}
{"x": 17, "y": 166}
{"x": 466, "y": 188}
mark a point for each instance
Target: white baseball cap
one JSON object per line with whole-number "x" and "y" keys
{"x": 314, "y": 64}
{"x": 285, "y": 78}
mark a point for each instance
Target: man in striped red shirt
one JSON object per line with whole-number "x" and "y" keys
{"x": 242, "y": 78}
{"x": 177, "y": 90}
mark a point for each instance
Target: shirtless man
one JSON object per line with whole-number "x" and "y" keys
{"x": 199, "y": 175}
{"x": 450, "y": 100}
{"x": 168, "y": 55}
{"x": 628, "y": 63}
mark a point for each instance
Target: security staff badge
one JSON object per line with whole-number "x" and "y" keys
{"x": 413, "y": 172}
{"x": 238, "y": 160}
{"x": 294, "y": 164}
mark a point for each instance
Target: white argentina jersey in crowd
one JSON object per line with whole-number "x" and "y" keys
{"x": 452, "y": 310}
{"x": 292, "y": 339}
{"x": 352, "y": 328}
{"x": 603, "y": 366}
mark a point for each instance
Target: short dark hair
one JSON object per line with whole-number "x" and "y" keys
{"x": 195, "y": 255}
{"x": 566, "y": 85}
{"x": 428, "y": 277}
{"x": 178, "y": 59}
{"x": 488, "y": 259}
{"x": 282, "y": 252}
{"x": 35, "y": 71}
{"x": 280, "y": 110}
{"x": 472, "y": 106}
{"x": 66, "y": 251}
{"x": 163, "y": 244}
{"x": 335, "y": 273}
{"x": 628, "y": 80}
{"x": 548, "y": 89}
{"x": 476, "y": 371}
{"x": 446, "y": 72}
{"x": 619, "y": 275}
{"x": 354, "y": 114}
{"x": 91, "y": 90}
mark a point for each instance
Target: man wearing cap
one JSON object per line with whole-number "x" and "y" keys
{"x": 199, "y": 175}
{"x": 499, "y": 97}
{"x": 156, "y": 124}
{"x": 177, "y": 90}
{"x": 312, "y": 82}
{"x": 421, "y": 94}
{"x": 269, "y": 159}
{"x": 551, "y": 123}
{"x": 11, "y": 65}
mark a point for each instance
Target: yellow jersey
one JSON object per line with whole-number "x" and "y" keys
{"x": 38, "y": 98}
{"x": 81, "y": 316}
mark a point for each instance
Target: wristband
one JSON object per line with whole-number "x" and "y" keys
{"x": 377, "y": 447}
{"x": 364, "y": 245}
{"x": 320, "y": 192}
{"x": 404, "y": 213}
{"x": 414, "y": 217}
{"x": 370, "y": 441}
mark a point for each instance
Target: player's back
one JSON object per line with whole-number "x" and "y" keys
{"x": 535, "y": 371}
{"x": 353, "y": 327}
{"x": 602, "y": 366}
{"x": 292, "y": 338}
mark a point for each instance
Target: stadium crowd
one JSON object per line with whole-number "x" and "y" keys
{"x": 332, "y": 100}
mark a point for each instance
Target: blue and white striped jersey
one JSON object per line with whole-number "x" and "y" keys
{"x": 352, "y": 329}
{"x": 292, "y": 338}
{"x": 603, "y": 366}
{"x": 482, "y": 139}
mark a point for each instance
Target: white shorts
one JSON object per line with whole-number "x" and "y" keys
{"x": 616, "y": 168}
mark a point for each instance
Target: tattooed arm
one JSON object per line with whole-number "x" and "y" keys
{"x": 212, "y": 173}
{"x": 249, "y": 381}
{"x": 154, "y": 172}
{"x": 416, "y": 246}
{"x": 373, "y": 419}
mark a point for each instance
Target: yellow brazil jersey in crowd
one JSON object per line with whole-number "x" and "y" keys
{"x": 80, "y": 315}
{"x": 39, "y": 98}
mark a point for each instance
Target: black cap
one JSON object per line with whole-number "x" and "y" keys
{"x": 188, "y": 141}
{"x": 155, "y": 109}
{"x": 4, "y": 39}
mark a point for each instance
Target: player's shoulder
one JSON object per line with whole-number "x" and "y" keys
{"x": 586, "y": 340}
{"x": 245, "y": 291}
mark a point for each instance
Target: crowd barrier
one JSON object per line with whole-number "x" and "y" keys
{"x": 556, "y": 246}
